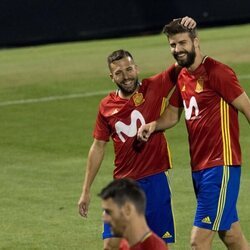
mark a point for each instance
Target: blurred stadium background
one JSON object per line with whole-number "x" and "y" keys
{"x": 48, "y": 102}
{"x": 42, "y": 21}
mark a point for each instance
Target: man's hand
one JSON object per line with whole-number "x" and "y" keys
{"x": 188, "y": 22}
{"x": 145, "y": 131}
{"x": 83, "y": 204}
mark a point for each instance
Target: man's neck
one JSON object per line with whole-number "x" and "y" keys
{"x": 197, "y": 62}
{"x": 123, "y": 96}
{"x": 127, "y": 96}
{"x": 137, "y": 231}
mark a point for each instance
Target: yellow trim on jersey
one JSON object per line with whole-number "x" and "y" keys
{"x": 165, "y": 100}
{"x": 169, "y": 156}
{"x": 163, "y": 104}
{"x": 147, "y": 235}
{"x": 225, "y": 130}
{"x": 222, "y": 198}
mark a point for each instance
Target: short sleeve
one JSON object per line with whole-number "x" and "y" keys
{"x": 176, "y": 99}
{"x": 101, "y": 130}
{"x": 224, "y": 81}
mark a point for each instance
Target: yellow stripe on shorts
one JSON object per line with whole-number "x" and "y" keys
{"x": 222, "y": 198}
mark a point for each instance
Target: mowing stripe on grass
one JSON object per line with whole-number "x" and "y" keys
{"x": 71, "y": 96}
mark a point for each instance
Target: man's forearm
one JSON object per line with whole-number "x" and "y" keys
{"x": 95, "y": 158}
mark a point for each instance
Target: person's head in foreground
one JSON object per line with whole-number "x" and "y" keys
{"x": 122, "y": 201}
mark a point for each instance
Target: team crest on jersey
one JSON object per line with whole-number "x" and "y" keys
{"x": 199, "y": 85}
{"x": 138, "y": 99}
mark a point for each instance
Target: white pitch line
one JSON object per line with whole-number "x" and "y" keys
{"x": 72, "y": 96}
{"x": 53, "y": 98}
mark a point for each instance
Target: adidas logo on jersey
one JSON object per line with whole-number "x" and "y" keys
{"x": 167, "y": 235}
{"x": 206, "y": 220}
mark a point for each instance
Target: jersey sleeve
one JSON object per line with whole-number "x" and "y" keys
{"x": 224, "y": 81}
{"x": 172, "y": 73}
{"x": 176, "y": 99}
{"x": 101, "y": 130}
{"x": 165, "y": 81}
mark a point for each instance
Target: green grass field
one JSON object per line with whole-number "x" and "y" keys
{"x": 44, "y": 142}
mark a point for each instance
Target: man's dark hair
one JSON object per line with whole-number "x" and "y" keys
{"x": 175, "y": 27}
{"x": 117, "y": 55}
{"x": 123, "y": 190}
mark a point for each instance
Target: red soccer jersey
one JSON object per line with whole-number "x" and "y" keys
{"x": 121, "y": 118}
{"x": 150, "y": 242}
{"x": 212, "y": 122}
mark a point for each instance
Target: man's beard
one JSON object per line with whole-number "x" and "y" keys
{"x": 128, "y": 91}
{"x": 189, "y": 59}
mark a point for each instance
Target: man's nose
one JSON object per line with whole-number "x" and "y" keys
{"x": 177, "y": 48}
{"x": 125, "y": 75}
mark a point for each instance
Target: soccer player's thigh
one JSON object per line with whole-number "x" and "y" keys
{"x": 159, "y": 206}
{"x": 216, "y": 192}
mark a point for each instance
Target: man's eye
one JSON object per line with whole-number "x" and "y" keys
{"x": 107, "y": 212}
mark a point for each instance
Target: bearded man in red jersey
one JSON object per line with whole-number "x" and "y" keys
{"x": 211, "y": 96}
{"x": 120, "y": 115}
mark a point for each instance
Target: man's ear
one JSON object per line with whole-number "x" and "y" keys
{"x": 128, "y": 209}
{"x": 196, "y": 42}
{"x": 111, "y": 77}
{"x": 137, "y": 69}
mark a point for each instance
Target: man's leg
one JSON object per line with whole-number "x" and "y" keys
{"x": 217, "y": 192}
{"x": 159, "y": 213}
{"x": 234, "y": 238}
{"x": 201, "y": 239}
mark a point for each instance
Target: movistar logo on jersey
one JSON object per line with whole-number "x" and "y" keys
{"x": 129, "y": 130}
{"x": 206, "y": 220}
{"x": 189, "y": 110}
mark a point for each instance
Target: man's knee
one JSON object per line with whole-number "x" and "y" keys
{"x": 234, "y": 239}
{"x": 196, "y": 242}
{"x": 229, "y": 238}
{"x": 201, "y": 239}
